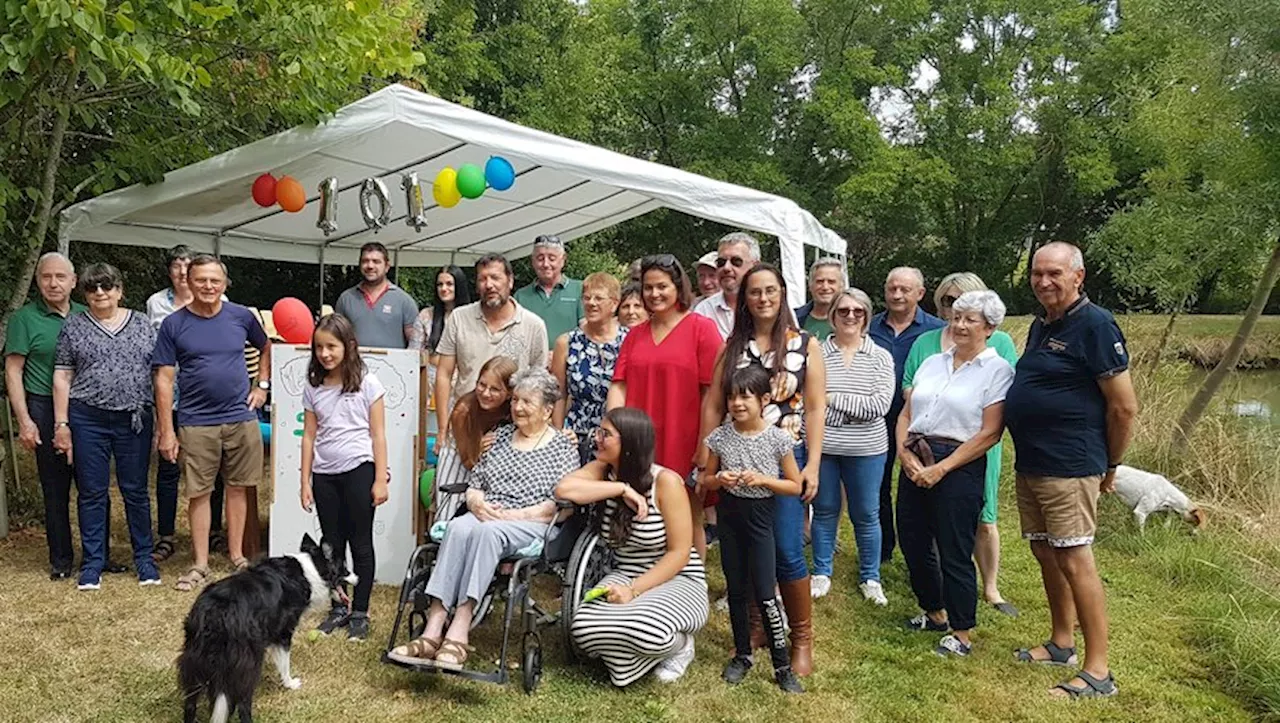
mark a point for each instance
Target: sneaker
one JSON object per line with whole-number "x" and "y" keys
{"x": 736, "y": 671}
{"x": 922, "y": 622}
{"x": 673, "y": 668}
{"x": 713, "y": 534}
{"x": 872, "y": 590}
{"x": 951, "y": 645}
{"x": 787, "y": 680}
{"x": 89, "y": 580}
{"x": 357, "y": 627}
{"x": 819, "y": 586}
{"x": 148, "y": 574}
{"x": 338, "y": 618}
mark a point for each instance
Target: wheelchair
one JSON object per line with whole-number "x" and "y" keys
{"x": 577, "y": 557}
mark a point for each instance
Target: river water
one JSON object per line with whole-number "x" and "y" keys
{"x": 1253, "y": 394}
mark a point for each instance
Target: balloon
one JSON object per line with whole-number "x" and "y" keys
{"x": 445, "y": 188}
{"x": 416, "y": 216}
{"x": 426, "y": 486}
{"x": 328, "y": 206}
{"x": 289, "y": 194}
{"x": 470, "y": 181}
{"x": 264, "y": 190}
{"x": 499, "y": 173}
{"x": 293, "y": 321}
{"x": 374, "y": 188}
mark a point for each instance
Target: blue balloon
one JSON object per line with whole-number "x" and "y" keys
{"x": 499, "y": 173}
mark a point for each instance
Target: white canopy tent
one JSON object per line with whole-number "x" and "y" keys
{"x": 563, "y": 187}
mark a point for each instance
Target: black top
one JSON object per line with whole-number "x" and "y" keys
{"x": 1055, "y": 410}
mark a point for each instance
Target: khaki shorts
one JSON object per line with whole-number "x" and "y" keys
{"x": 1060, "y": 510}
{"x": 235, "y": 450}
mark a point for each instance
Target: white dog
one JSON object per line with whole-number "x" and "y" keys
{"x": 1145, "y": 493}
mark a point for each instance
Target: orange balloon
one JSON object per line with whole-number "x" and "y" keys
{"x": 289, "y": 194}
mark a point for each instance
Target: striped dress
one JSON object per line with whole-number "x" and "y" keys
{"x": 633, "y": 638}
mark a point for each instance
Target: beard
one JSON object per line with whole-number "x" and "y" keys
{"x": 494, "y": 301}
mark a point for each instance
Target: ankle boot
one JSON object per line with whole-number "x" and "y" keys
{"x": 799, "y": 604}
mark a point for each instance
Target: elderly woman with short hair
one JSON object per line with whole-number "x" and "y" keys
{"x": 953, "y": 414}
{"x": 510, "y": 504}
{"x": 986, "y": 551}
{"x": 102, "y": 400}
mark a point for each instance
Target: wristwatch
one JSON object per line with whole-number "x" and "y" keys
{"x": 264, "y": 385}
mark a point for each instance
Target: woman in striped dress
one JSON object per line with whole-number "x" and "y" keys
{"x": 860, "y": 382}
{"x": 657, "y": 595}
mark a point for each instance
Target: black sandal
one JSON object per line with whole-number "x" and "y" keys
{"x": 1057, "y": 655}
{"x": 164, "y": 550}
{"x": 1093, "y": 687}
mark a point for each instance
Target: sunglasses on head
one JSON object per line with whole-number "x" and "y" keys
{"x": 737, "y": 261}
{"x": 104, "y": 286}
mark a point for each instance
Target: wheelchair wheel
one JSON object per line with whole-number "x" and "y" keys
{"x": 482, "y": 610}
{"x": 417, "y": 624}
{"x": 589, "y": 562}
{"x": 531, "y": 662}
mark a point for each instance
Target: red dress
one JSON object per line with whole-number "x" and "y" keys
{"x": 666, "y": 381}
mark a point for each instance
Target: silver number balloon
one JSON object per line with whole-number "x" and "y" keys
{"x": 374, "y": 188}
{"x": 328, "y": 221}
{"x": 416, "y": 216}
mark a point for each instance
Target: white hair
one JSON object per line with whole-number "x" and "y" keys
{"x": 986, "y": 302}
{"x": 913, "y": 271}
{"x": 54, "y": 256}
{"x": 826, "y": 262}
{"x": 739, "y": 237}
{"x": 1075, "y": 263}
{"x": 536, "y": 379}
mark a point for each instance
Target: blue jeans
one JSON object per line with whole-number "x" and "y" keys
{"x": 861, "y": 484}
{"x": 788, "y": 531}
{"x": 97, "y": 435}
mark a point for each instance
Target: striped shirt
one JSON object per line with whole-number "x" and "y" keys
{"x": 858, "y": 397}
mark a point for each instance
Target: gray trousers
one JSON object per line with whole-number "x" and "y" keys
{"x": 470, "y": 553}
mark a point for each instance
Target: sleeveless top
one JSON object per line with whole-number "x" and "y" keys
{"x": 588, "y": 372}
{"x": 786, "y": 408}
{"x": 647, "y": 541}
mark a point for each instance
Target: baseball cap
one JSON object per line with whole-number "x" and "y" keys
{"x": 708, "y": 259}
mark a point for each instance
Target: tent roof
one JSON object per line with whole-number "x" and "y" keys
{"x": 563, "y": 187}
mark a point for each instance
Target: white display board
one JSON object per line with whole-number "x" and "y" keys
{"x": 393, "y": 535}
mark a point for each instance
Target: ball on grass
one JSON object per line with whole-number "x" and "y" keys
{"x": 313, "y": 636}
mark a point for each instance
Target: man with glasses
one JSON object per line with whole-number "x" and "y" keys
{"x": 826, "y": 281}
{"x": 895, "y": 329}
{"x": 555, "y": 298}
{"x": 737, "y": 253}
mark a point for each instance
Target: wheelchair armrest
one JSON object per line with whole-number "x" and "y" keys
{"x": 565, "y": 504}
{"x": 455, "y": 488}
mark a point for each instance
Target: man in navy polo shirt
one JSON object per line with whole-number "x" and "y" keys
{"x": 895, "y": 329}
{"x": 1070, "y": 411}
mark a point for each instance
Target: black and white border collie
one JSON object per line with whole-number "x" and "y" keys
{"x": 236, "y": 621}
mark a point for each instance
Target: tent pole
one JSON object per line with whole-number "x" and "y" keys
{"x": 397, "y": 265}
{"x": 321, "y": 307}
{"x": 217, "y": 245}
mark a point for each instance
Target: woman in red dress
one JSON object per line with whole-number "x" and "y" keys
{"x": 665, "y": 366}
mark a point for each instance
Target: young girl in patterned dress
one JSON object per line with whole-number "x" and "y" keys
{"x": 751, "y": 460}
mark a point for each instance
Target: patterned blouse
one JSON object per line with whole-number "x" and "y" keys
{"x": 786, "y": 408}
{"x": 512, "y": 479}
{"x": 112, "y": 369}
{"x": 588, "y": 372}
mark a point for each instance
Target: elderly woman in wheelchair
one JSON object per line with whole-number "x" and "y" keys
{"x": 510, "y": 508}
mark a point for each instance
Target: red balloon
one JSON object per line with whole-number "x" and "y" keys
{"x": 293, "y": 320}
{"x": 264, "y": 190}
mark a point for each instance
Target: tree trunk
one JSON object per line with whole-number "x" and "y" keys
{"x": 48, "y": 185}
{"x": 1165, "y": 336}
{"x": 1200, "y": 402}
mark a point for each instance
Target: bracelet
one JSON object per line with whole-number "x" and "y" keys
{"x": 1112, "y": 467}
{"x": 59, "y": 425}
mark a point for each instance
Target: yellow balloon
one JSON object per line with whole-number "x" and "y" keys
{"x": 445, "y": 188}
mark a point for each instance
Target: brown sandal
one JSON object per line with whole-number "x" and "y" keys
{"x": 457, "y": 653}
{"x": 191, "y": 579}
{"x": 240, "y": 564}
{"x": 419, "y": 650}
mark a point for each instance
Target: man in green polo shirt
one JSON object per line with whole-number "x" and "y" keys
{"x": 28, "y": 366}
{"x": 555, "y": 299}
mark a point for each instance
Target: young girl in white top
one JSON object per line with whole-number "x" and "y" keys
{"x": 344, "y": 458}
{"x": 751, "y": 460}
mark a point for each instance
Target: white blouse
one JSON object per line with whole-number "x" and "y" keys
{"x": 948, "y": 402}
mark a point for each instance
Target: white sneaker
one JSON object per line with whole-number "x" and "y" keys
{"x": 819, "y": 586}
{"x": 673, "y": 668}
{"x": 871, "y": 590}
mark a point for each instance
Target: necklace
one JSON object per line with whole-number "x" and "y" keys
{"x": 538, "y": 443}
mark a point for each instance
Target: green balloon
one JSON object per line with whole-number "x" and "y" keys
{"x": 426, "y": 486}
{"x": 471, "y": 180}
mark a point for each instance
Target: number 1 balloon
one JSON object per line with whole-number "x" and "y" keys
{"x": 371, "y": 189}
{"x": 416, "y": 216}
{"x": 328, "y": 206}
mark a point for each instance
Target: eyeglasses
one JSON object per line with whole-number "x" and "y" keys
{"x": 949, "y": 300}
{"x": 100, "y": 287}
{"x": 845, "y": 312}
{"x": 665, "y": 260}
{"x": 601, "y": 433}
{"x": 737, "y": 261}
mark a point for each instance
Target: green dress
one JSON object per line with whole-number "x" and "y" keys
{"x": 930, "y": 343}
